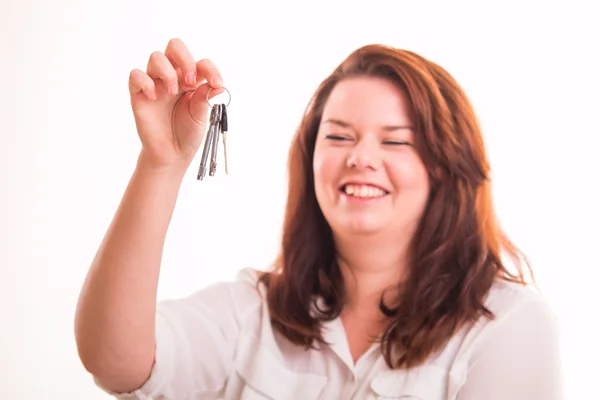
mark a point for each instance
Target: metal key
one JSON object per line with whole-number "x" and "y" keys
{"x": 215, "y": 141}
{"x": 224, "y": 133}
{"x": 210, "y": 136}
{"x": 218, "y": 125}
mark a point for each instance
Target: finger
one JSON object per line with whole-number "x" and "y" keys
{"x": 205, "y": 69}
{"x": 181, "y": 59}
{"x": 159, "y": 67}
{"x": 198, "y": 106}
{"x": 140, "y": 82}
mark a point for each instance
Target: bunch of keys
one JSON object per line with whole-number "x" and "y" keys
{"x": 218, "y": 126}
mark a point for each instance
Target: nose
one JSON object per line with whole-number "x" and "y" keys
{"x": 364, "y": 155}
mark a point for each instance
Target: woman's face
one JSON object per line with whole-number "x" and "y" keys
{"x": 368, "y": 176}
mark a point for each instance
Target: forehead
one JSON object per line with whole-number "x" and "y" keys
{"x": 368, "y": 98}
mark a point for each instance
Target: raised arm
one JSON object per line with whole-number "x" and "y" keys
{"x": 115, "y": 319}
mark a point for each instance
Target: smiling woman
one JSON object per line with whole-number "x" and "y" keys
{"x": 393, "y": 227}
{"x": 390, "y": 282}
{"x": 364, "y": 151}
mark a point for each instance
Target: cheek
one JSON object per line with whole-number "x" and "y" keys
{"x": 320, "y": 174}
{"x": 325, "y": 167}
{"x": 410, "y": 173}
{"x": 318, "y": 166}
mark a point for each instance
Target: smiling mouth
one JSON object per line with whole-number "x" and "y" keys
{"x": 363, "y": 191}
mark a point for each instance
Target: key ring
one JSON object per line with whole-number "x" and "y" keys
{"x": 211, "y": 88}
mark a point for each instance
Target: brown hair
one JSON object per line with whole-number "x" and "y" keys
{"x": 456, "y": 250}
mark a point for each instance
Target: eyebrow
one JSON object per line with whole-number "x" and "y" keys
{"x": 387, "y": 128}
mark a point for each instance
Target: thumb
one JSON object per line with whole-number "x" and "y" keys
{"x": 199, "y": 102}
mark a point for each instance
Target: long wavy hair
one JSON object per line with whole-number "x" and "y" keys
{"x": 457, "y": 250}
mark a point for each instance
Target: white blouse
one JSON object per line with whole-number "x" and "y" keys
{"x": 219, "y": 344}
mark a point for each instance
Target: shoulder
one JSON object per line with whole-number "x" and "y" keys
{"x": 520, "y": 343}
{"x": 509, "y": 300}
{"x": 249, "y": 277}
{"x": 522, "y": 316}
{"x": 245, "y": 288}
{"x": 241, "y": 298}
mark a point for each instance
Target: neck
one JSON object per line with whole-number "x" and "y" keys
{"x": 371, "y": 267}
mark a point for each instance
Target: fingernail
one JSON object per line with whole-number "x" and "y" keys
{"x": 216, "y": 81}
{"x": 174, "y": 89}
{"x": 190, "y": 79}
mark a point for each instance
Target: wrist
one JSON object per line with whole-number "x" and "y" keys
{"x": 173, "y": 171}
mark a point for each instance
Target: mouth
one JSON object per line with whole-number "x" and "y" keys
{"x": 363, "y": 191}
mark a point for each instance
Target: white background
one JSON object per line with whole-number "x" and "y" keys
{"x": 69, "y": 146}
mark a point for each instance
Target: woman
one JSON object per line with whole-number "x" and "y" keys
{"x": 391, "y": 281}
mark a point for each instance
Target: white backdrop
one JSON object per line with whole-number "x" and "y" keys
{"x": 69, "y": 146}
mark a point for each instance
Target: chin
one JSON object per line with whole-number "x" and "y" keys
{"x": 359, "y": 226}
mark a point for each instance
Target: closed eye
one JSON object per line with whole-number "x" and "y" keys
{"x": 397, "y": 143}
{"x": 336, "y": 137}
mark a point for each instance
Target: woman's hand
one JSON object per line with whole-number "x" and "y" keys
{"x": 169, "y": 105}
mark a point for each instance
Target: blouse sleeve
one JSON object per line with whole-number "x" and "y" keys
{"x": 520, "y": 360}
{"x": 195, "y": 342}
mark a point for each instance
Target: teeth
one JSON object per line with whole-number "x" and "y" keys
{"x": 364, "y": 191}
